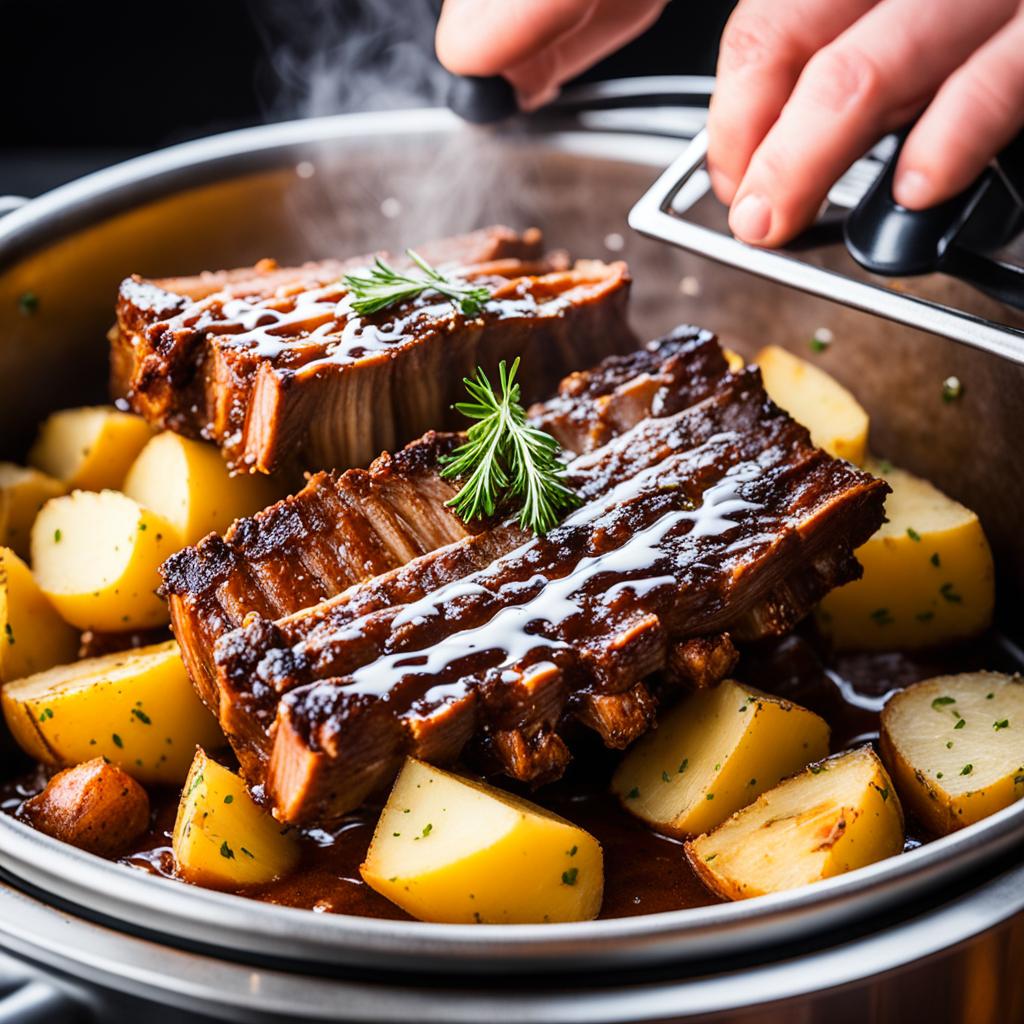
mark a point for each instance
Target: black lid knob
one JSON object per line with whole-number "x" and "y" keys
{"x": 482, "y": 100}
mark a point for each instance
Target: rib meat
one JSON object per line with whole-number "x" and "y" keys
{"x": 338, "y": 531}
{"x": 719, "y": 518}
{"x": 275, "y": 367}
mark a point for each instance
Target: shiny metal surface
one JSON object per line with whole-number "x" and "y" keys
{"x": 321, "y": 187}
{"x": 659, "y": 214}
{"x": 945, "y": 964}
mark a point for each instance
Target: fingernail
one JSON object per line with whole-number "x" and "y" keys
{"x": 751, "y": 218}
{"x": 912, "y": 189}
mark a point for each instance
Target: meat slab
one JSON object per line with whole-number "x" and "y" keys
{"x": 708, "y": 518}
{"x": 275, "y": 367}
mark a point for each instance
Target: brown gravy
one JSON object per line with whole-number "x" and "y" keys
{"x": 644, "y": 873}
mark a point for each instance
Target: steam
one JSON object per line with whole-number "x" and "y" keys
{"x": 338, "y": 56}
{"x": 342, "y": 56}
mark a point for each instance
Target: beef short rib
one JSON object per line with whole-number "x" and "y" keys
{"x": 708, "y": 517}
{"x": 275, "y": 367}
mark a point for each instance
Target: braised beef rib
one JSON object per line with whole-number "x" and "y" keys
{"x": 275, "y": 367}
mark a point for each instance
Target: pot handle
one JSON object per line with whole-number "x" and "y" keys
{"x": 8, "y": 204}
{"x": 38, "y": 1002}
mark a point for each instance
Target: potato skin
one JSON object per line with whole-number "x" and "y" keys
{"x": 94, "y": 806}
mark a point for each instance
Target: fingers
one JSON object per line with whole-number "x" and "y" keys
{"x": 976, "y": 112}
{"x": 486, "y": 37}
{"x": 848, "y": 94}
{"x": 608, "y": 27}
{"x": 764, "y": 47}
{"x": 537, "y": 44}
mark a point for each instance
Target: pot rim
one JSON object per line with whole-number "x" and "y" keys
{"x": 241, "y": 926}
{"x": 96, "y": 955}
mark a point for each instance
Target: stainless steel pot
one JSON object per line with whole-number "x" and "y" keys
{"x": 931, "y": 925}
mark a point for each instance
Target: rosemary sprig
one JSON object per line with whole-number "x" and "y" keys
{"x": 504, "y": 459}
{"x": 382, "y": 286}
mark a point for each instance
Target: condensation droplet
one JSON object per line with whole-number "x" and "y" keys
{"x": 305, "y": 169}
{"x": 824, "y": 336}
{"x": 690, "y": 285}
{"x": 390, "y": 207}
{"x": 614, "y": 242}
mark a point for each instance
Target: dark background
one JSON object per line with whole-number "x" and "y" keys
{"x": 83, "y": 85}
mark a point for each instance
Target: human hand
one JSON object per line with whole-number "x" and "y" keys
{"x": 537, "y": 44}
{"x": 806, "y": 87}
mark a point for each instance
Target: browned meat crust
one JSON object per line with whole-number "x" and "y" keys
{"x": 338, "y": 530}
{"x": 719, "y": 518}
{"x": 274, "y": 367}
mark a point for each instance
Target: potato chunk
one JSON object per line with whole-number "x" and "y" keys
{"x": 452, "y": 850}
{"x": 96, "y": 558}
{"x": 714, "y": 753}
{"x": 955, "y": 747}
{"x": 23, "y": 492}
{"x": 91, "y": 447}
{"x": 95, "y": 806}
{"x": 32, "y": 635}
{"x": 837, "y": 815}
{"x": 835, "y": 418}
{"x": 188, "y": 483}
{"x": 136, "y": 708}
{"x": 222, "y": 838}
{"x": 928, "y": 574}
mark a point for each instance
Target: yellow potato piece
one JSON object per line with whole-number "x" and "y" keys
{"x": 838, "y": 815}
{"x": 32, "y": 635}
{"x": 23, "y": 492}
{"x": 928, "y": 574}
{"x": 452, "y": 850}
{"x": 91, "y": 447}
{"x": 96, "y": 558}
{"x": 136, "y": 708}
{"x": 714, "y": 753}
{"x": 835, "y": 418}
{"x": 955, "y": 747}
{"x": 188, "y": 483}
{"x": 222, "y": 838}
{"x": 735, "y": 361}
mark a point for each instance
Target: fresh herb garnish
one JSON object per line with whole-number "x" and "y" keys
{"x": 967, "y": 769}
{"x": 382, "y": 286}
{"x": 1002, "y": 724}
{"x": 952, "y": 389}
{"x": 913, "y": 535}
{"x": 504, "y": 458}
{"x": 569, "y": 877}
{"x": 941, "y": 702}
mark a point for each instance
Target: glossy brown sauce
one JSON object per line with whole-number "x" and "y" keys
{"x": 644, "y": 873}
